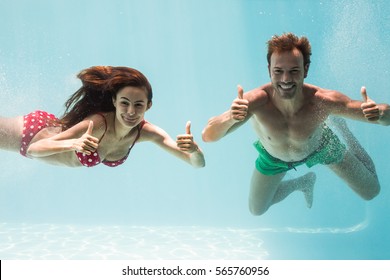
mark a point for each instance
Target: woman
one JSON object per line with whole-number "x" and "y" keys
{"x": 103, "y": 120}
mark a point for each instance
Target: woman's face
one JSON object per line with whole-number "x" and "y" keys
{"x": 131, "y": 103}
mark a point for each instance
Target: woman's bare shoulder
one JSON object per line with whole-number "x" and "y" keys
{"x": 151, "y": 132}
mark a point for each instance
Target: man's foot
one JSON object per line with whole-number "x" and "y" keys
{"x": 308, "y": 181}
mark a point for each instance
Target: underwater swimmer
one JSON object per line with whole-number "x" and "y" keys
{"x": 102, "y": 122}
{"x": 289, "y": 119}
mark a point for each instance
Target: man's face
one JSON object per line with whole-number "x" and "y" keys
{"x": 287, "y": 73}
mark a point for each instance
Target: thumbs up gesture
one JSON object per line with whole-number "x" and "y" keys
{"x": 369, "y": 108}
{"x": 185, "y": 142}
{"x": 239, "y": 107}
{"x": 87, "y": 143}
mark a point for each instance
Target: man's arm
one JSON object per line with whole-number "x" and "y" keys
{"x": 366, "y": 110}
{"x": 217, "y": 127}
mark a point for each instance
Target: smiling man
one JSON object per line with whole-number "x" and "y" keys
{"x": 289, "y": 119}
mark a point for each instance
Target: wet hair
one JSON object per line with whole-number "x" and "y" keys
{"x": 289, "y": 42}
{"x": 100, "y": 84}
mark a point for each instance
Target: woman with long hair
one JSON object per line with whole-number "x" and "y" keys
{"x": 102, "y": 122}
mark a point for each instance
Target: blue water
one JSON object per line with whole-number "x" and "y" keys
{"x": 194, "y": 53}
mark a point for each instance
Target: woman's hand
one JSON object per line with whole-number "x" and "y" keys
{"x": 185, "y": 142}
{"x": 87, "y": 143}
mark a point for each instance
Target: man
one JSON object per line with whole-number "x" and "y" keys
{"x": 289, "y": 119}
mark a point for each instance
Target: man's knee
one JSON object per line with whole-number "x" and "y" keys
{"x": 371, "y": 193}
{"x": 256, "y": 210}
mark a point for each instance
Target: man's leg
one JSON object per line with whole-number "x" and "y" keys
{"x": 353, "y": 144}
{"x": 357, "y": 168}
{"x": 358, "y": 175}
{"x": 267, "y": 190}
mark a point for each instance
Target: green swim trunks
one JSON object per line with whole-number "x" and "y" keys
{"x": 331, "y": 150}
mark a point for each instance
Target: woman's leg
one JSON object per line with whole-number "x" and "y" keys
{"x": 11, "y": 130}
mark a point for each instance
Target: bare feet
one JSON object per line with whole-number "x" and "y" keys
{"x": 308, "y": 181}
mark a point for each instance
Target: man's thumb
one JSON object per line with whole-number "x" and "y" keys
{"x": 364, "y": 94}
{"x": 240, "y": 92}
{"x": 188, "y": 127}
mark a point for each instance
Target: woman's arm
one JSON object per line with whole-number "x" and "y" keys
{"x": 184, "y": 148}
{"x": 81, "y": 137}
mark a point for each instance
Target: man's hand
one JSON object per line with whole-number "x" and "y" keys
{"x": 370, "y": 109}
{"x": 239, "y": 108}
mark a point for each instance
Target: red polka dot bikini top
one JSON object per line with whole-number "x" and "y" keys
{"x": 94, "y": 158}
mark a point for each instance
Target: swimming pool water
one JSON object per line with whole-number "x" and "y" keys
{"x": 194, "y": 54}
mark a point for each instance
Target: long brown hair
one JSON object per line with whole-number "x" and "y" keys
{"x": 99, "y": 85}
